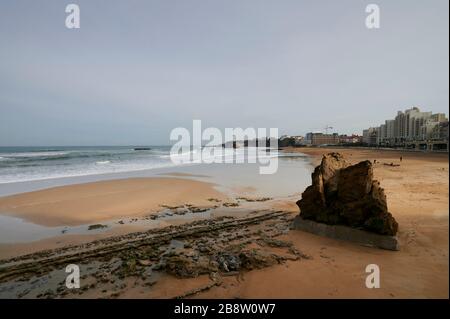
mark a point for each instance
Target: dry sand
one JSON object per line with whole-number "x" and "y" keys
{"x": 418, "y": 197}
{"x": 106, "y": 200}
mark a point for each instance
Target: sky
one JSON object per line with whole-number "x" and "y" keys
{"x": 135, "y": 70}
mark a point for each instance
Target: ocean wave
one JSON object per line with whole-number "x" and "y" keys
{"x": 33, "y": 154}
{"x": 41, "y": 164}
{"x": 56, "y": 156}
{"x": 219, "y": 153}
{"x": 102, "y": 162}
{"x": 184, "y": 154}
{"x": 36, "y": 175}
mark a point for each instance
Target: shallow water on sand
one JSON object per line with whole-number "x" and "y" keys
{"x": 292, "y": 176}
{"x": 236, "y": 180}
{"x": 16, "y": 230}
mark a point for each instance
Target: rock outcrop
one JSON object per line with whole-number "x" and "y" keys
{"x": 344, "y": 194}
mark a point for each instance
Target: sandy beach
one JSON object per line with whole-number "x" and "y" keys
{"x": 106, "y": 200}
{"x": 237, "y": 151}
{"x": 418, "y": 197}
{"x": 295, "y": 265}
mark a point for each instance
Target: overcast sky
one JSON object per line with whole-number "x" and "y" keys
{"x": 137, "y": 69}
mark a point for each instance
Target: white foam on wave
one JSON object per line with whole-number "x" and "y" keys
{"x": 33, "y": 154}
{"x": 224, "y": 155}
{"x": 102, "y": 162}
{"x": 83, "y": 168}
{"x": 37, "y": 175}
{"x": 183, "y": 154}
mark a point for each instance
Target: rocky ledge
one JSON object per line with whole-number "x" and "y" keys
{"x": 220, "y": 248}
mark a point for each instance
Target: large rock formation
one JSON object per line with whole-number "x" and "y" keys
{"x": 344, "y": 194}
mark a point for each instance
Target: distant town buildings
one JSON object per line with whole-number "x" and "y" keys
{"x": 370, "y": 136}
{"x": 287, "y": 140}
{"x": 411, "y": 129}
{"x": 322, "y": 139}
{"x": 350, "y": 139}
{"x": 319, "y": 138}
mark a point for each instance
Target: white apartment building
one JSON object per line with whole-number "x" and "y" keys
{"x": 409, "y": 126}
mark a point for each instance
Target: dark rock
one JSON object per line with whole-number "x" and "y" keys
{"x": 228, "y": 261}
{"x": 96, "y": 226}
{"x": 194, "y": 209}
{"x": 185, "y": 267}
{"x": 346, "y": 194}
{"x": 230, "y": 204}
{"x": 257, "y": 259}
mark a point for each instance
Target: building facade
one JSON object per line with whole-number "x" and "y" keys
{"x": 322, "y": 139}
{"x": 410, "y": 128}
{"x": 370, "y": 136}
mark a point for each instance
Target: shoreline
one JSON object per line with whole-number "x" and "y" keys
{"x": 417, "y": 193}
{"x": 316, "y": 152}
{"x": 418, "y": 197}
{"x": 106, "y": 200}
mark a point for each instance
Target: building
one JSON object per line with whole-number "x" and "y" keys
{"x": 410, "y": 128}
{"x": 322, "y": 139}
{"x": 407, "y": 124}
{"x": 443, "y": 131}
{"x": 350, "y": 139}
{"x": 370, "y": 136}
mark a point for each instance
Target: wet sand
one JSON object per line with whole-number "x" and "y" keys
{"x": 418, "y": 197}
{"x": 100, "y": 201}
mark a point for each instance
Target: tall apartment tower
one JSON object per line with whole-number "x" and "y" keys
{"x": 408, "y": 128}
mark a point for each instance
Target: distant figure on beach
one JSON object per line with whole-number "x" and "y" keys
{"x": 401, "y": 158}
{"x": 374, "y": 161}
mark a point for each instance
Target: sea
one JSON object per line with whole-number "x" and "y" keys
{"x": 26, "y": 164}
{"x": 25, "y": 169}
{"x": 23, "y": 164}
